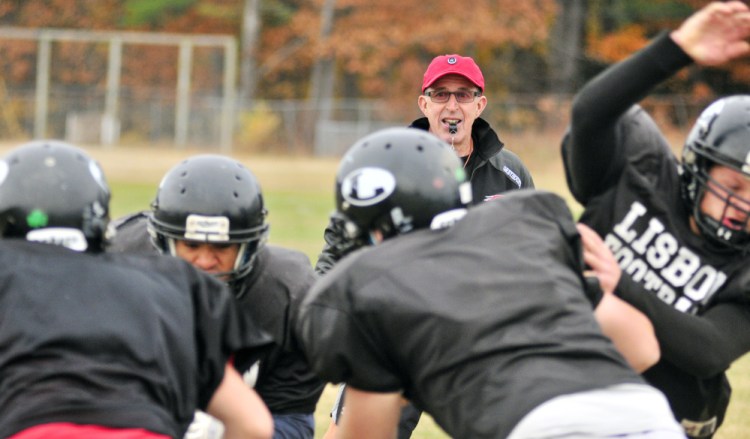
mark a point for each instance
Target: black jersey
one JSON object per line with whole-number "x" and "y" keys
{"x": 488, "y": 313}
{"x": 269, "y": 295}
{"x": 131, "y": 235}
{"x": 620, "y": 167}
{"x": 111, "y": 340}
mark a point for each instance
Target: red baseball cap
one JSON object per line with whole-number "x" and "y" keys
{"x": 453, "y": 64}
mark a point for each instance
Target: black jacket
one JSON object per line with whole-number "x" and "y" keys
{"x": 492, "y": 168}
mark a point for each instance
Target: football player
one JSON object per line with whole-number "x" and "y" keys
{"x": 106, "y": 346}
{"x": 209, "y": 211}
{"x": 678, "y": 231}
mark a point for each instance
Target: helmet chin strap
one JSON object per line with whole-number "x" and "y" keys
{"x": 717, "y": 229}
{"x": 240, "y": 256}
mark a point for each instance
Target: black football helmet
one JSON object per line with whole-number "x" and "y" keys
{"x": 53, "y": 192}
{"x": 721, "y": 135}
{"x": 397, "y": 180}
{"x": 214, "y": 199}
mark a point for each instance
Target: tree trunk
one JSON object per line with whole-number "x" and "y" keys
{"x": 566, "y": 46}
{"x": 321, "y": 82}
{"x": 250, "y": 37}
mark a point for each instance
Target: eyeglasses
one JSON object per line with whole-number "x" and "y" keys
{"x": 462, "y": 96}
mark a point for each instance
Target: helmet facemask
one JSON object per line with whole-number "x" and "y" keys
{"x": 727, "y": 230}
{"x": 720, "y": 137}
{"x": 250, "y": 243}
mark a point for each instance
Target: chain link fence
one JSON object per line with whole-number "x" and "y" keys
{"x": 279, "y": 127}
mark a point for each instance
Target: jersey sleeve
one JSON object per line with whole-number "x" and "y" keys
{"x": 338, "y": 344}
{"x": 131, "y": 235}
{"x": 723, "y": 331}
{"x": 593, "y": 148}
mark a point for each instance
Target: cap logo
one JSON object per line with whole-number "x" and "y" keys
{"x": 452, "y": 60}
{"x": 367, "y": 186}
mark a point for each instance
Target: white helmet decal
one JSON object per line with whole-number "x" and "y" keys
{"x": 367, "y": 186}
{"x": 708, "y": 116}
{"x": 71, "y": 238}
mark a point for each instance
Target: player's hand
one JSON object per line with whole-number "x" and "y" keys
{"x": 341, "y": 238}
{"x": 204, "y": 426}
{"x": 599, "y": 258}
{"x": 716, "y": 33}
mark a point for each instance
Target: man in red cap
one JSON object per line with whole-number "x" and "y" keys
{"x": 457, "y": 77}
{"x": 452, "y": 101}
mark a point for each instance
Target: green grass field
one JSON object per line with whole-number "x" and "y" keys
{"x": 299, "y": 196}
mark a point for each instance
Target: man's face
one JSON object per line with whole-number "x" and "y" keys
{"x": 209, "y": 257}
{"x": 727, "y": 198}
{"x": 440, "y": 115}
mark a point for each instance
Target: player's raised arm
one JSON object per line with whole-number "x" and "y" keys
{"x": 592, "y": 149}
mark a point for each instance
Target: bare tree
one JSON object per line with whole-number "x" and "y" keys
{"x": 566, "y": 45}
{"x": 321, "y": 82}
{"x": 250, "y": 36}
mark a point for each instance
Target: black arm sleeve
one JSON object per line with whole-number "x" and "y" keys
{"x": 723, "y": 332}
{"x": 328, "y": 256}
{"x": 337, "y": 244}
{"x": 591, "y": 151}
